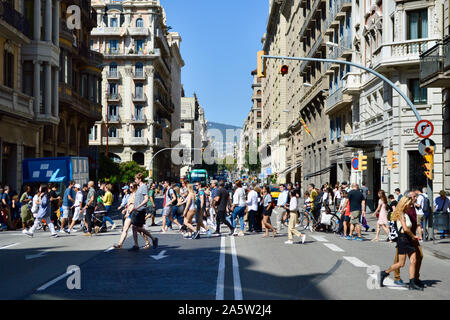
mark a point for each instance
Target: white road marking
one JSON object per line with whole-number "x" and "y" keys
{"x": 35, "y": 256}
{"x": 333, "y": 247}
{"x": 9, "y": 246}
{"x": 319, "y": 238}
{"x": 50, "y": 283}
{"x": 389, "y": 283}
{"x": 356, "y": 262}
{"x": 236, "y": 276}
{"x": 160, "y": 256}
{"x": 221, "y": 274}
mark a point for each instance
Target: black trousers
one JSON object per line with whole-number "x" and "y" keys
{"x": 89, "y": 214}
{"x": 221, "y": 218}
{"x": 252, "y": 219}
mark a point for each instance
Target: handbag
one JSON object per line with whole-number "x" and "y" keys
{"x": 325, "y": 219}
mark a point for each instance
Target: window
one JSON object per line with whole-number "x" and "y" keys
{"x": 332, "y": 130}
{"x": 139, "y": 69}
{"x": 113, "y": 69}
{"x": 418, "y": 95}
{"x": 113, "y": 112}
{"x": 113, "y": 23}
{"x": 112, "y": 132}
{"x": 93, "y": 133}
{"x": 66, "y": 69}
{"x": 338, "y": 127}
{"x": 139, "y": 46}
{"x": 139, "y": 113}
{"x": 84, "y": 85}
{"x": 139, "y": 90}
{"x": 417, "y": 24}
{"x": 113, "y": 89}
{"x": 258, "y": 114}
{"x": 8, "y": 66}
{"x": 140, "y": 23}
{"x": 113, "y": 46}
{"x": 138, "y": 133}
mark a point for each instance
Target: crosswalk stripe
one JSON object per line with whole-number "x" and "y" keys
{"x": 356, "y": 262}
{"x": 333, "y": 247}
{"x": 319, "y": 238}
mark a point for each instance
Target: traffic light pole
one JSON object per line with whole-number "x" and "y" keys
{"x": 402, "y": 94}
{"x": 167, "y": 149}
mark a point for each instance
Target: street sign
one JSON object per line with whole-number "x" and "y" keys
{"x": 269, "y": 171}
{"x": 424, "y": 129}
{"x": 355, "y": 163}
{"x": 424, "y": 144}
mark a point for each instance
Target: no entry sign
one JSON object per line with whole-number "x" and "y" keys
{"x": 424, "y": 129}
{"x": 355, "y": 163}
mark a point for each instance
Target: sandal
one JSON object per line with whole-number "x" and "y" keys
{"x": 117, "y": 246}
{"x": 147, "y": 246}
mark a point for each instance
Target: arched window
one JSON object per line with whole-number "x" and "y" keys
{"x": 138, "y": 157}
{"x": 140, "y": 23}
{"x": 139, "y": 69}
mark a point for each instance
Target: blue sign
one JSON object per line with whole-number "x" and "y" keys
{"x": 47, "y": 170}
{"x": 355, "y": 163}
{"x": 269, "y": 171}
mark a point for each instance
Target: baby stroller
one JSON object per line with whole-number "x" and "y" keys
{"x": 97, "y": 217}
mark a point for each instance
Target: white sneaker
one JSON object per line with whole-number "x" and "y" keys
{"x": 28, "y": 233}
{"x": 303, "y": 238}
{"x": 311, "y": 229}
{"x": 74, "y": 230}
{"x": 113, "y": 227}
{"x": 297, "y": 225}
{"x": 289, "y": 242}
{"x": 235, "y": 233}
{"x": 241, "y": 234}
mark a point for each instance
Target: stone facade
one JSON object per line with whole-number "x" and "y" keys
{"x": 141, "y": 84}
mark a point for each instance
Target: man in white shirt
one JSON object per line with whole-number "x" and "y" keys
{"x": 252, "y": 203}
{"x": 419, "y": 206}
{"x": 280, "y": 208}
{"x": 238, "y": 209}
{"x": 293, "y": 209}
{"x": 78, "y": 205}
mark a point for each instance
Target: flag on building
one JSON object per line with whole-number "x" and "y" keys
{"x": 305, "y": 126}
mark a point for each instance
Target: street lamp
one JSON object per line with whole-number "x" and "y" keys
{"x": 307, "y": 84}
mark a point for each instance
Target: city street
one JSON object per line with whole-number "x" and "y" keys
{"x": 249, "y": 268}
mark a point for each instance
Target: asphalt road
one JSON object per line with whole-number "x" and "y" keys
{"x": 250, "y": 267}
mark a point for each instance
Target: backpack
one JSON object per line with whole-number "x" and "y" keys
{"x": 426, "y": 205}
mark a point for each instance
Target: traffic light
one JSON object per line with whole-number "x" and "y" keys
{"x": 429, "y": 162}
{"x": 284, "y": 70}
{"x": 391, "y": 161}
{"x": 362, "y": 159}
{"x": 261, "y": 65}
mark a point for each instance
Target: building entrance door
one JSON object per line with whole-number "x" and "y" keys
{"x": 376, "y": 182}
{"x": 416, "y": 175}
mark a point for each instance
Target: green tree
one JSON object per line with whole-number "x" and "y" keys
{"x": 253, "y": 168}
{"x": 128, "y": 170}
{"x": 108, "y": 169}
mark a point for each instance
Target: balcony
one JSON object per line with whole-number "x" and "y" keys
{"x": 112, "y": 141}
{"x": 400, "y": 53}
{"x": 159, "y": 79}
{"x": 138, "y": 31}
{"x": 113, "y": 52}
{"x": 336, "y": 9}
{"x": 140, "y": 97}
{"x": 113, "y": 97}
{"x": 139, "y": 75}
{"x": 140, "y": 119}
{"x": 114, "y": 119}
{"x": 336, "y": 101}
{"x": 106, "y": 31}
{"x": 16, "y": 103}
{"x": 138, "y": 141}
{"x": 113, "y": 75}
{"x": 435, "y": 66}
{"x": 15, "y": 19}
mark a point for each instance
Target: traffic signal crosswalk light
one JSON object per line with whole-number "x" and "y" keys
{"x": 429, "y": 162}
{"x": 261, "y": 65}
{"x": 362, "y": 160}
{"x": 392, "y": 162}
{"x": 284, "y": 70}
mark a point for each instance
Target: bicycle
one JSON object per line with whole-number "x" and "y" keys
{"x": 308, "y": 222}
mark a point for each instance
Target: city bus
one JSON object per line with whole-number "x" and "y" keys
{"x": 199, "y": 175}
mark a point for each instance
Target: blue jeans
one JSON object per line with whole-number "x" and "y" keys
{"x": 106, "y": 218}
{"x": 174, "y": 216}
{"x": 238, "y": 211}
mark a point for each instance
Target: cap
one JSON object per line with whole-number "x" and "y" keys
{"x": 126, "y": 188}
{"x": 344, "y": 183}
{"x": 77, "y": 186}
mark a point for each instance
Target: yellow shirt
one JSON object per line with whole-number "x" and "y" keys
{"x": 108, "y": 199}
{"x": 314, "y": 194}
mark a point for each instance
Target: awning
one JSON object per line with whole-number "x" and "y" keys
{"x": 363, "y": 143}
{"x": 291, "y": 168}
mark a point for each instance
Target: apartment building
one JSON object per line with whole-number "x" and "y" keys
{"x": 435, "y": 73}
{"x": 193, "y": 133}
{"x": 45, "y": 103}
{"x": 141, "y": 83}
{"x": 251, "y": 132}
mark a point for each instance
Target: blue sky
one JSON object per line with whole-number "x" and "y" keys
{"x": 220, "y": 41}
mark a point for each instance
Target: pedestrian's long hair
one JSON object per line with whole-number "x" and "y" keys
{"x": 383, "y": 197}
{"x": 401, "y": 208}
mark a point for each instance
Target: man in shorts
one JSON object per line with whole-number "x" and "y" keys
{"x": 68, "y": 200}
{"x": 357, "y": 207}
{"x": 151, "y": 206}
{"x": 139, "y": 211}
{"x": 170, "y": 199}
